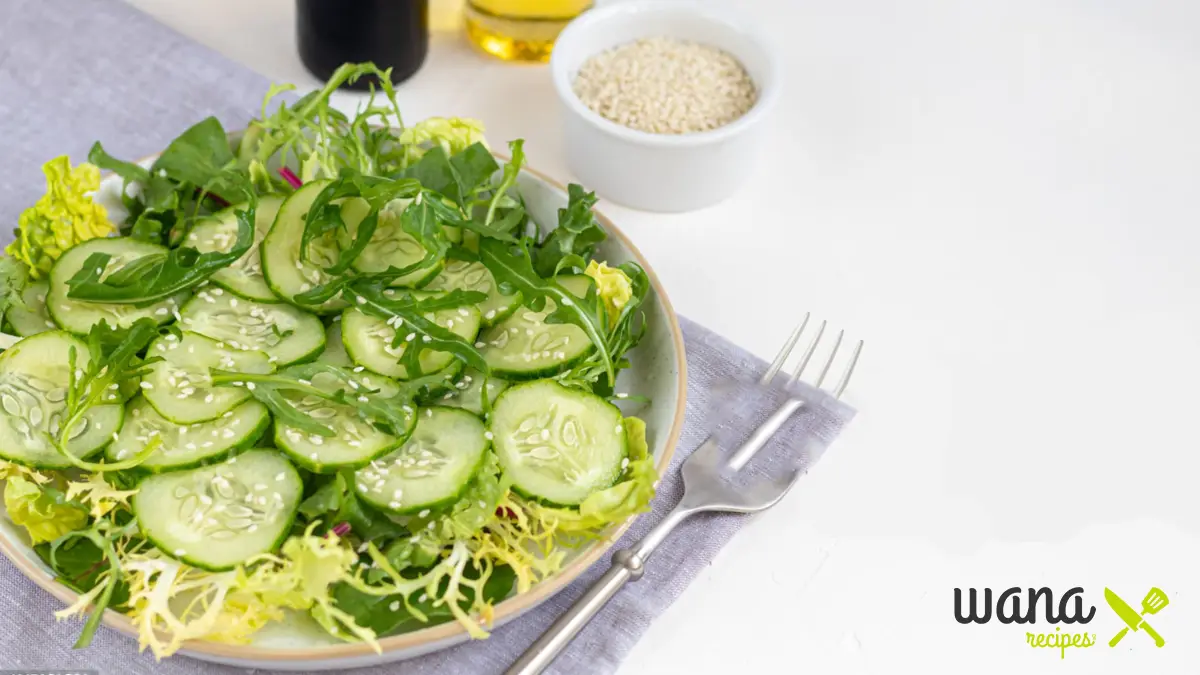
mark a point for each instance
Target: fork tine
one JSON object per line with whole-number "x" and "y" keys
{"x": 837, "y": 344}
{"x": 841, "y": 386}
{"x": 812, "y": 347}
{"x": 784, "y": 353}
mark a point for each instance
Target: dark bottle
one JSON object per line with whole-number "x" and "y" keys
{"x": 391, "y": 33}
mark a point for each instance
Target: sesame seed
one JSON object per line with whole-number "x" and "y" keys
{"x": 394, "y": 606}
{"x": 423, "y": 513}
{"x": 488, "y": 435}
{"x": 663, "y": 85}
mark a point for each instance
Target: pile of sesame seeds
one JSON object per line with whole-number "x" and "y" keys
{"x": 666, "y": 86}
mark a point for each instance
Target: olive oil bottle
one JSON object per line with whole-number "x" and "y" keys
{"x": 519, "y": 30}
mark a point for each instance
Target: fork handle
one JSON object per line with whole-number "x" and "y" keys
{"x": 626, "y": 567}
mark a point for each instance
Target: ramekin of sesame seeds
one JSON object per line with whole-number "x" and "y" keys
{"x": 664, "y": 104}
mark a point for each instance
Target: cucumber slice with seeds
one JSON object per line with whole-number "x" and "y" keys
{"x": 525, "y": 347}
{"x": 432, "y": 468}
{"x": 33, "y": 317}
{"x": 476, "y": 392}
{"x": 185, "y": 446}
{"x": 219, "y": 233}
{"x": 390, "y": 245}
{"x": 78, "y": 316}
{"x": 355, "y": 441}
{"x": 180, "y": 386}
{"x": 34, "y": 376}
{"x": 335, "y": 352}
{"x": 558, "y": 445}
{"x": 474, "y": 276}
{"x": 285, "y": 273}
{"x": 218, "y": 517}
{"x": 287, "y": 334}
{"x": 368, "y": 340}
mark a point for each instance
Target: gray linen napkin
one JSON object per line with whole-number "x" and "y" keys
{"x": 138, "y": 84}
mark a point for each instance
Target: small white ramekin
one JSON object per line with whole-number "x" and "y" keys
{"x": 661, "y": 172}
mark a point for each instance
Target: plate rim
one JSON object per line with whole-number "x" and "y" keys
{"x": 451, "y": 632}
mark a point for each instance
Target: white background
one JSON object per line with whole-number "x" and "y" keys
{"x": 1001, "y": 198}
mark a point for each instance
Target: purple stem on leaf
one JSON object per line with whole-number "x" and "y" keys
{"x": 291, "y": 178}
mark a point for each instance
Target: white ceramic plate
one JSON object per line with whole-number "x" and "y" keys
{"x": 658, "y": 372}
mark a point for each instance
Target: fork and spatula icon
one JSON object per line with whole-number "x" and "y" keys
{"x": 1154, "y": 601}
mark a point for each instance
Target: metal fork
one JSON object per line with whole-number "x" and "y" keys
{"x": 704, "y": 490}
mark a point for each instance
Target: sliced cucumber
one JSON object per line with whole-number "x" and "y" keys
{"x": 390, "y": 245}
{"x": 33, "y": 317}
{"x": 355, "y": 441}
{"x": 34, "y": 376}
{"x": 217, "y": 517}
{"x": 79, "y": 316}
{"x": 288, "y": 334}
{"x": 285, "y": 273}
{"x": 474, "y": 276}
{"x": 219, "y": 233}
{"x": 557, "y": 444}
{"x": 180, "y": 386}
{"x": 475, "y": 392}
{"x": 432, "y": 468}
{"x": 335, "y": 352}
{"x": 186, "y": 446}
{"x": 525, "y": 347}
{"x": 368, "y": 340}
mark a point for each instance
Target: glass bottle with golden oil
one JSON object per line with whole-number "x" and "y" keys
{"x": 519, "y": 30}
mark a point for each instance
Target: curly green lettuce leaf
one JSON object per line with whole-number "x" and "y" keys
{"x": 43, "y": 510}
{"x": 63, "y": 217}
{"x": 304, "y": 577}
{"x": 97, "y": 494}
{"x": 171, "y": 603}
{"x": 452, "y": 135}
{"x": 533, "y": 538}
{"x": 612, "y": 285}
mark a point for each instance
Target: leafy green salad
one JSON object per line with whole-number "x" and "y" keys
{"x": 328, "y": 367}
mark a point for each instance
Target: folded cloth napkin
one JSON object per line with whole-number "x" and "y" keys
{"x": 73, "y": 72}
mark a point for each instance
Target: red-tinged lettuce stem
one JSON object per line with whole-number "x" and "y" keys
{"x": 291, "y": 178}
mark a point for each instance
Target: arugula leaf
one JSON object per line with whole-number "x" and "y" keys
{"x": 511, "y": 170}
{"x": 625, "y": 332}
{"x": 394, "y": 413}
{"x": 511, "y": 265}
{"x": 200, "y": 156}
{"x": 113, "y": 361}
{"x": 407, "y": 314}
{"x": 575, "y": 238}
{"x": 130, "y": 171}
{"x": 375, "y": 612}
{"x": 325, "y": 214}
{"x": 103, "y": 592}
{"x": 158, "y": 276}
{"x": 79, "y": 564}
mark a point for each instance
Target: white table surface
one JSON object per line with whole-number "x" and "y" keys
{"x": 1001, "y": 198}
